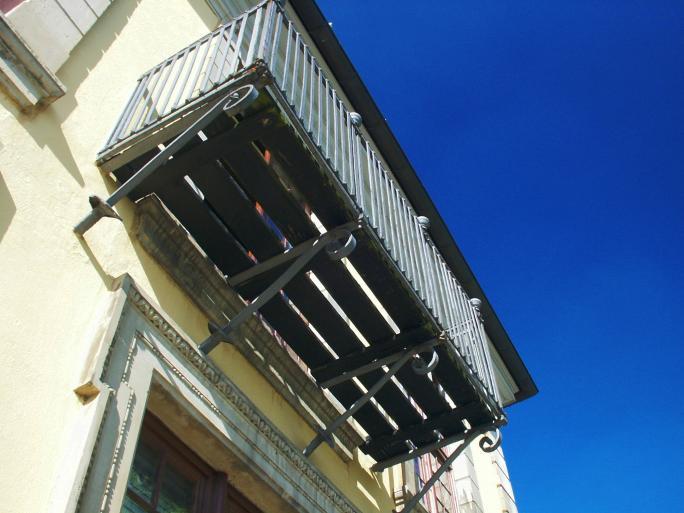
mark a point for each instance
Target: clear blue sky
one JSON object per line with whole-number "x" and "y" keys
{"x": 551, "y": 137}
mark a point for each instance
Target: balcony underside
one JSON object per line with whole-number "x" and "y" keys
{"x": 259, "y": 183}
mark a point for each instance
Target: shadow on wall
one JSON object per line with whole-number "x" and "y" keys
{"x": 7, "y": 207}
{"x": 46, "y": 127}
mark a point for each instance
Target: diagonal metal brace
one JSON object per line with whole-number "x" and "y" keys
{"x": 407, "y": 355}
{"x": 471, "y": 435}
{"x": 281, "y": 259}
{"x": 416, "y": 364}
{"x": 233, "y": 102}
{"x": 338, "y": 242}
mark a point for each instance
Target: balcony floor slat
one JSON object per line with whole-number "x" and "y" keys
{"x": 255, "y": 176}
{"x": 207, "y": 231}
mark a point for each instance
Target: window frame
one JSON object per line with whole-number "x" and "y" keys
{"x": 212, "y": 493}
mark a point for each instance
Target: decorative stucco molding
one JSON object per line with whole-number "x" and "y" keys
{"x": 23, "y": 77}
{"x": 147, "y": 348}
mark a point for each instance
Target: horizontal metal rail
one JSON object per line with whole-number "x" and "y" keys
{"x": 266, "y": 34}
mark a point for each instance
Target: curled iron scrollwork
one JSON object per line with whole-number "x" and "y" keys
{"x": 341, "y": 246}
{"x": 420, "y": 367}
{"x": 489, "y": 445}
{"x": 242, "y": 95}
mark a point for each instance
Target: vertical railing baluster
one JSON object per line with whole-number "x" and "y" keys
{"x": 319, "y": 130}
{"x": 231, "y": 32}
{"x": 273, "y": 59}
{"x": 266, "y": 30}
{"x": 150, "y": 90}
{"x": 327, "y": 119}
{"x": 300, "y": 113}
{"x": 413, "y": 264}
{"x": 184, "y": 82}
{"x": 349, "y": 154}
{"x": 360, "y": 182}
{"x": 212, "y": 61}
{"x": 286, "y": 66}
{"x": 252, "y": 49}
{"x": 124, "y": 119}
{"x": 174, "y": 82}
{"x": 341, "y": 118}
{"x": 293, "y": 95}
{"x": 334, "y": 106}
{"x": 371, "y": 186}
{"x": 419, "y": 244}
{"x": 311, "y": 93}
{"x": 378, "y": 196}
{"x": 390, "y": 216}
{"x": 238, "y": 43}
{"x": 202, "y": 64}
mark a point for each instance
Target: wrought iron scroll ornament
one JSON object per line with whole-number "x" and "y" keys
{"x": 421, "y": 367}
{"x": 487, "y": 444}
{"x": 338, "y": 243}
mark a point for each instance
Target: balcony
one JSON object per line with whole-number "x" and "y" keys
{"x": 255, "y": 187}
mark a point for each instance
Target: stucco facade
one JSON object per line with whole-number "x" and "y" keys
{"x": 60, "y": 295}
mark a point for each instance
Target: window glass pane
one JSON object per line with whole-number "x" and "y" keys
{"x": 129, "y": 506}
{"x": 177, "y": 492}
{"x": 144, "y": 470}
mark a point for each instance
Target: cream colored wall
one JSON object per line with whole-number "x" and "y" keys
{"x": 52, "y": 282}
{"x": 492, "y": 479}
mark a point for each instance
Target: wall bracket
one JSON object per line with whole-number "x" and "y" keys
{"x": 486, "y": 444}
{"x": 232, "y": 103}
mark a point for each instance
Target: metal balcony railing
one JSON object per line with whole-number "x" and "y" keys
{"x": 264, "y": 35}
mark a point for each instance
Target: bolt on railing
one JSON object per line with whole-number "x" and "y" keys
{"x": 265, "y": 34}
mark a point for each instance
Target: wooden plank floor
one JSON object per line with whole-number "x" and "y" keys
{"x": 257, "y": 191}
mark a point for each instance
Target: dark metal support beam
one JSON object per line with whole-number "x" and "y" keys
{"x": 338, "y": 242}
{"x": 326, "y": 435}
{"x": 279, "y": 260}
{"x": 376, "y": 364}
{"x": 444, "y": 423}
{"x": 377, "y": 350}
{"x": 470, "y": 436}
{"x": 389, "y": 462}
{"x": 233, "y": 102}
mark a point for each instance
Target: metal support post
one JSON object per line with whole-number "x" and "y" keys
{"x": 339, "y": 243}
{"x": 233, "y": 102}
{"x": 326, "y": 435}
{"x": 486, "y": 444}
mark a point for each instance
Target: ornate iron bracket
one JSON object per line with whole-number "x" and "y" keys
{"x": 338, "y": 243}
{"x": 232, "y": 103}
{"x": 400, "y": 360}
{"x": 486, "y": 444}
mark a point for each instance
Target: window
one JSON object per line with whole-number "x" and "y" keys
{"x": 167, "y": 477}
